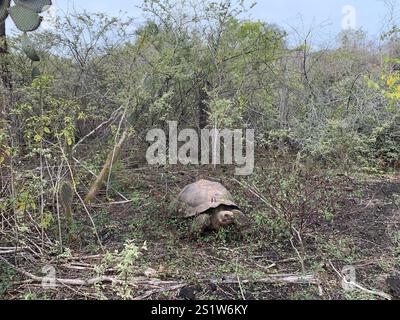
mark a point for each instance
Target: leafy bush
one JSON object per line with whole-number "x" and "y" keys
{"x": 281, "y": 140}
{"x": 385, "y": 143}
{"x": 301, "y": 200}
{"x": 338, "y": 144}
{"x": 6, "y": 278}
{"x": 124, "y": 264}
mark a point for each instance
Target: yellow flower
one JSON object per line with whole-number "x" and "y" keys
{"x": 391, "y": 81}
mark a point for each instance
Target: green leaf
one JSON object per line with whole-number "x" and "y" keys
{"x": 46, "y": 220}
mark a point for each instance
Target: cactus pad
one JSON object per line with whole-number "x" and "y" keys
{"x": 35, "y": 5}
{"x": 35, "y": 72}
{"x": 4, "y": 4}
{"x": 24, "y": 18}
{"x": 29, "y": 49}
{"x": 66, "y": 194}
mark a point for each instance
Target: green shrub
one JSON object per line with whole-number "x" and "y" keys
{"x": 385, "y": 143}
{"x": 281, "y": 140}
{"x": 338, "y": 144}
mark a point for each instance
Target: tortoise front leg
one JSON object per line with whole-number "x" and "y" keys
{"x": 200, "y": 224}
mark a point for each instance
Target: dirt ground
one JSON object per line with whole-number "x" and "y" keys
{"x": 267, "y": 263}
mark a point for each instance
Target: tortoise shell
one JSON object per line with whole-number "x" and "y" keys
{"x": 203, "y": 195}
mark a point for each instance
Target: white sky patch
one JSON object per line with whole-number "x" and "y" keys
{"x": 49, "y": 18}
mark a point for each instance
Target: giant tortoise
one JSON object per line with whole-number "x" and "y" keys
{"x": 211, "y": 206}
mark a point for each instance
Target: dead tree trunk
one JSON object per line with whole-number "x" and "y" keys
{"x": 111, "y": 159}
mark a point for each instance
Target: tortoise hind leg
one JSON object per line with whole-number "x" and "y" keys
{"x": 200, "y": 224}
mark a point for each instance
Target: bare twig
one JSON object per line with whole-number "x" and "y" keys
{"x": 247, "y": 187}
{"x": 112, "y": 118}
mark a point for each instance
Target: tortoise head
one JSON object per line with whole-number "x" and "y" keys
{"x": 222, "y": 218}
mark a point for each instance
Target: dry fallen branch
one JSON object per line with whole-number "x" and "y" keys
{"x": 162, "y": 285}
{"x": 95, "y": 280}
{"x": 361, "y": 288}
{"x": 273, "y": 278}
{"x": 7, "y": 250}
